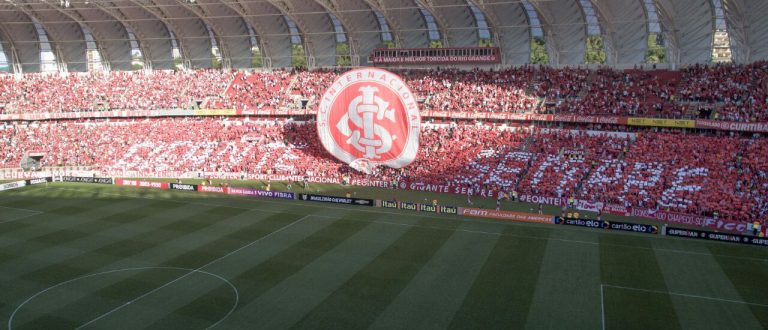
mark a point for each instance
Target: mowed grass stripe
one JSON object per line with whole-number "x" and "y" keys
{"x": 46, "y": 322}
{"x": 72, "y": 268}
{"x": 9, "y": 214}
{"x": 209, "y": 296}
{"x": 567, "y": 293}
{"x": 297, "y": 295}
{"x": 97, "y": 258}
{"x": 435, "y": 294}
{"x": 637, "y": 268}
{"x": 158, "y": 239}
{"x": 503, "y": 290}
{"x": 61, "y": 245}
{"x": 98, "y": 254}
{"x": 224, "y": 244}
{"x": 748, "y": 278}
{"x": 47, "y": 226}
{"x": 362, "y": 298}
{"x": 255, "y": 280}
{"x": 46, "y": 200}
{"x": 702, "y": 275}
{"x": 201, "y": 312}
{"x": 59, "y": 224}
{"x": 157, "y": 304}
{"x": 69, "y": 302}
{"x": 104, "y": 296}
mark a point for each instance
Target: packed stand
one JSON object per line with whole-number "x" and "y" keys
{"x": 715, "y": 176}
{"x": 561, "y": 159}
{"x": 473, "y": 91}
{"x": 626, "y": 93}
{"x": 721, "y": 92}
{"x": 119, "y": 90}
{"x": 738, "y": 92}
{"x": 255, "y": 90}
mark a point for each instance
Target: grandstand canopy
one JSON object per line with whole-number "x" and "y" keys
{"x": 85, "y": 35}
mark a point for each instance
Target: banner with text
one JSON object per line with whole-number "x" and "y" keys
{"x": 656, "y": 122}
{"x": 12, "y": 185}
{"x": 420, "y": 207}
{"x": 141, "y": 184}
{"x": 86, "y": 179}
{"x": 215, "y": 189}
{"x": 506, "y": 215}
{"x": 447, "y": 189}
{"x": 632, "y": 227}
{"x": 260, "y": 193}
{"x": 33, "y": 182}
{"x": 714, "y": 236}
{"x": 181, "y": 186}
{"x": 336, "y": 200}
{"x": 589, "y": 223}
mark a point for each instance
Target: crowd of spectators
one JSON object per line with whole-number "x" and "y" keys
{"x": 690, "y": 173}
{"x": 676, "y": 172}
{"x": 560, "y": 159}
{"x": 624, "y": 93}
{"x": 82, "y": 92}
{"x": 724, "y": 92}
{"x": 254, "y": 91}
{"x": 739, "y": 92}
{"x": 473, "y": 91}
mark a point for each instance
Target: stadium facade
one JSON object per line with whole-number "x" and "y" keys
{"x": 82, "y": 35}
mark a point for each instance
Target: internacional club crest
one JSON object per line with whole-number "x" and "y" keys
{"x": 371, "y": 116}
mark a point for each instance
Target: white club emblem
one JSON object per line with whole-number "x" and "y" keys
{"x": 363, "y": 112}
{"x": 369, "y": 116}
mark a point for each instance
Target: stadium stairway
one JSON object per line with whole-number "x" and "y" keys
{"x": 525, "y": 146}
{"x": 289, "y": 90}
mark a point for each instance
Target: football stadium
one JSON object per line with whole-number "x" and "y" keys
{"x": 385, "y": 164}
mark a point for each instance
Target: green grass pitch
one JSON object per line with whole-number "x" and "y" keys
{"x": 106, "y": 257}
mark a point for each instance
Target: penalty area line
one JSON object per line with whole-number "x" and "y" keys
{"x": 31, "y": 213}
{"x": 687, "y": 295}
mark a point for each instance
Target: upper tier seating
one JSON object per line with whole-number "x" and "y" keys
{"x": 723, "y": 92}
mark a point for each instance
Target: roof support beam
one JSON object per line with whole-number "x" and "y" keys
{"x": 670, "y": 32}
{"x": 118, "y": 15}
{"x": 170, "y": 25}
{"x": 395, "y": 28}
{"x": 75, "y": 16}
{"x": 442, "y": 22}
{"x": 496, "y": 31}
{"x": 8, "y": 37}
{"x": 263, "y": 45}
{"x": 352, "y": 36}
{"x": 286, "y": 8}
{"x": 217, "y": 31}
{"x": 62, "y": 66}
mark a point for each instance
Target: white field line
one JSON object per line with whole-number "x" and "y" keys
{"x": 24, "y": 190}
{"x": 602, "y": 306}
{"x": 438, "y": 228}
{"x": 193, "y": 271}
{"x": 234, "y": 289}
{"x": 20, "y": 209}
{"x": 687, "y": 295}
{"x": 32, "y": 213}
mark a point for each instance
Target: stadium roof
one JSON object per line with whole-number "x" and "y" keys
{"x": 117, "y": 28}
